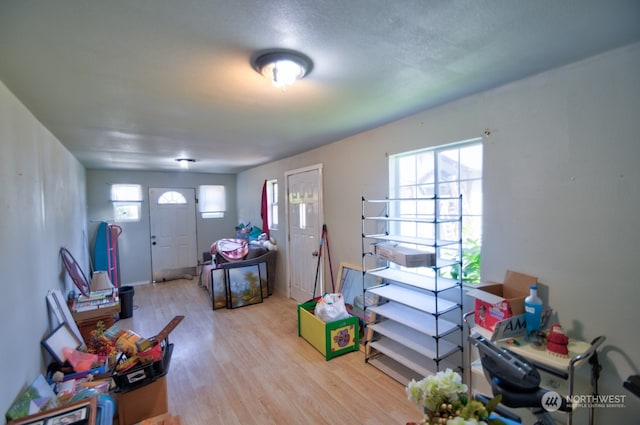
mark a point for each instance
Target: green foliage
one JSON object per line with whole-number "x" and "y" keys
{"x": 470, "y": 262}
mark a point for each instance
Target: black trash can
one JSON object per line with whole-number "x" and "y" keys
{"x": 126, "y": 301}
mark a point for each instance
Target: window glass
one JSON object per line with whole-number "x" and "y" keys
{"x": 126, "y": 192}
{"x": 272, "y": 204}
{"x": 126, "y": 199}
{"x": 171, "y": 197}
{"x": 450, "y": 170}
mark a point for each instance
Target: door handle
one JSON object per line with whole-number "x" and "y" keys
{"x": 314, "y": 253}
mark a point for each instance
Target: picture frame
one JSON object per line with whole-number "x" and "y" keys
{"x": 243, "y": 286}
{"x": 351, "y": 284}
{"x": 58, "y": 306}
{"x": 218, "y": 288}
{"x": 33, "y": 399}
{"x": 82, "y": 412}
{"x": 61, "y": 337}
{"x": 264, "y": 279}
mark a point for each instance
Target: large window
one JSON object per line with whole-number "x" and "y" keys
{"x": 450, "y": 170}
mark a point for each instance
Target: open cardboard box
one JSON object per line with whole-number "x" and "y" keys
{"x": 495, "y": 302}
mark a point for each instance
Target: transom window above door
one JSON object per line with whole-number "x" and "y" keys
{"x": 171, "y": 197}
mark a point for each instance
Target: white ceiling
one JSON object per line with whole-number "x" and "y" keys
{"x": 135, "y": 84}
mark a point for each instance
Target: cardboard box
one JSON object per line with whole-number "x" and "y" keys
{"x": 330, "y": 338}
{"x": 404, "y": 256}
{"x": 495, "y": 302}
{"x": 145, "y": 402}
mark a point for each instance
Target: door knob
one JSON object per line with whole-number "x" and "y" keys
{"x": 314, "y": 253}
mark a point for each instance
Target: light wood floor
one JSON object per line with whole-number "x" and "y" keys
{"x": 248, "y": 366}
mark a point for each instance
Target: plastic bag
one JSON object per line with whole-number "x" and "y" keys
{"x": 80, "y": 361}
{"x": 331, "y": 307}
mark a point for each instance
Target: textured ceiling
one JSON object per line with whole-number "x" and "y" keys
{"x": 135, "y": 84}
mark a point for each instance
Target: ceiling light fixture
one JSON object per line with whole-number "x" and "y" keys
{"x": 185, "y": 162}
{"x": 282, "y": 67}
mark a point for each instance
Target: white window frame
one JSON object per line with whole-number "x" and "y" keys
{"x": 272, "y": 204}
{"x": 127, "y": 202}
{"x": 416, "y": 185}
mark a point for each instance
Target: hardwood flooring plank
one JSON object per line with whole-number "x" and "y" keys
{"x": 248, "y": 365}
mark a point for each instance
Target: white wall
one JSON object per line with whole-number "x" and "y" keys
{"x": 561, "y": 201}
{"x": 43, "y": 208}
{"x": 561, "y": 197}
{"x": 134, "y": 247}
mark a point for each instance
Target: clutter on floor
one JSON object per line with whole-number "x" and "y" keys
{"x": 93, "y": 371}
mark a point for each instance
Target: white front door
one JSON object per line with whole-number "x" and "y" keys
{"x": 304, "y": 211}
{"x": 172, "y": 218}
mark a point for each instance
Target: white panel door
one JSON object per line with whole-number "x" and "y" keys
{"x": 172, "y": 218}
{"x": 304, "y": 211}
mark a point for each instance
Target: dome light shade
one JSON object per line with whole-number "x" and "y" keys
{"x": 282, "y": 67}
{"x": 185, "y": 162}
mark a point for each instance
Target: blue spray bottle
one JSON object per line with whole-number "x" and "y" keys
{"x": 533, "y": 310}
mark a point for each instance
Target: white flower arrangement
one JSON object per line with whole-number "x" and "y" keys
{"x": 443, "y": 399}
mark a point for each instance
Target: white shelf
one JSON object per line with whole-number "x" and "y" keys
{"x": 406, "y": 330}
{"x": 403, "y": 355}
{"x": 417, "y": 280}
{"x": 397, "y": 371}
{"x": 417, "y": 199}
{"x": 414, "y": 340}
{"x": 418, "y": 320}
{"x": 411, "y": 240}
{"x": 417, "y": 219}
{"x": 419, "y": 300}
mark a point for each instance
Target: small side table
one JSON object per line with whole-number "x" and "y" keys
{"x": 87, "y": 321}
{"x": 564, "y": 368}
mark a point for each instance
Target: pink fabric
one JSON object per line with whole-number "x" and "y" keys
{"x": 231, "y": 249}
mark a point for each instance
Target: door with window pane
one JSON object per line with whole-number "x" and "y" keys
{"x": 304, "y": 210}
{"x": 172, "y": 218}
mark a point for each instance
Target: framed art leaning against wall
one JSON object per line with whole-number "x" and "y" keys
{"x": 351, "y": 285}
{"x": 79, "y": 413}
